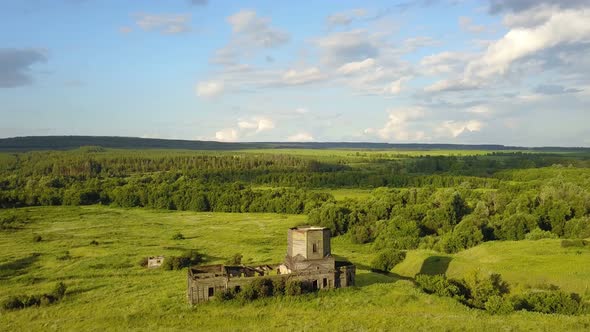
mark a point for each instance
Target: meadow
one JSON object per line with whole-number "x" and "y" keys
{"x": 107, "y": 289}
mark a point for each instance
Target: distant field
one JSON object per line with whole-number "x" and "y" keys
{"x": 108, "y": 290}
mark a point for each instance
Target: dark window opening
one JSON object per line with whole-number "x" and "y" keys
{"x": 237, "y": 289}
{"x": 325, "y": 282}
{"x": 314, "y": 285}
{"x": 211, "y": 291}
{"x": 315, "y": 248}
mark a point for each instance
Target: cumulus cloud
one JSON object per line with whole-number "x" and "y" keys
{"x": 304, "y": 76}
{"x": 209, "y": 89}
{"x": 300, "y": 137}
{"x": 164, "y": 23}
{"x": 398, "y": 125}
{"x": 354, "y": 67}
{"x": 256, "y": 124}
{"x": 250, "y": 34}
{"x": 257, "y": 29}
{"x": 345, "y": 18}
{"x": 347, "y": 46}
{"x": 227, "y": 135}
{"x": 456, "y": 128}
{"x": 15, "y": 66}
{"x": 532, "y": 34}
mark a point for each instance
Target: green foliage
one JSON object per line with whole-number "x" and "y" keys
{"x": 515, "y": 227}
{"x": 387, "y": 259}
{"x": 143, "y": 262}
{"x": 178, "y": 236}
{"x": 578, "y": 228}
{"x": 398, "y": 233}
{"x": 24, "y": 301}
{"x": 37, "y": 238}
{"x": 188, "y": 258}
{"x": 550, "y": 302}
{"x": 94, "y": 243}
{"x": 440, "y": 285}
{"x": 12, "y": 221}
{"x": 279, "y": 286}
{"x": 482, "y": 288}
{"x": 236, "y": 259}
{"x": 293, "y": 287}
{"x": 499, "y": 305}
{"x": 539, "y": 234}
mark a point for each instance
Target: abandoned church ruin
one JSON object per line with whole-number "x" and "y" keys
{"x": 309, "y": 260}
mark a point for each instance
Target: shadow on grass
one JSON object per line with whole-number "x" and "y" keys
{"x": 84, "y": 290}
{"x": 17, "y": 267}
{"x": 435, "y": 265}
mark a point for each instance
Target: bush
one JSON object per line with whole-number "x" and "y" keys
{"x": 13, "y": 303}
{"x": 93, "y": 243}
{"x": 236, "y": 259}
{"x": 59, "y": 290}
{"x": 293, "y": 287}
{"x": 481, "y": 288}
{"x": 278, "y": 286}
{"x": 37, "y": 238}
{"x": 24, "y": 301}
{"x": 550, "y": 302}
{"x": 538, "y": 234}
{"x": 440, "y": 285}
{"x": 360, "y": 234}
{"x": 263, "y": 287}
{"x": 574, "y": 243}
{"x": 247, "y": 294}
{"x": 398, "y": 233}
{"x": 386, "y": 260}
{"x": 188, "y": 258}
{"x": 498, "y": 305}
{"x": 178, "y": 236}
{"x": 143, "y": 262}
{"x": 227, "y": 295}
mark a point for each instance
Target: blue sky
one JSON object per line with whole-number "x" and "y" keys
{"x": 457, "y": 71}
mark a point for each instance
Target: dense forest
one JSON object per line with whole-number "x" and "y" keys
{"x": 447, "y": 202}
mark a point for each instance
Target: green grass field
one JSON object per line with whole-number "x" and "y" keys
{"x": 108, "y": 290}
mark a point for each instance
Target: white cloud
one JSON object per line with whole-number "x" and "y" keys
{"x": 528, "y": 37}
{"x": 353, "y": 67}
{"x": 345, "y": 18}
{"x": 395, "y": 87}
{"x": 347, "y": 46}
{"x": 398, "y": 125}
{"x": 209, "y": 89}
{"x": 256, "y": 124}
{"x": 301, "y": 110}
{"x": 301, "y": 137}
{"x": 480, "y": 109}
{"x": 164, "y": 23}
{"x": 227, "y": 135}
{"x": 294, "y": 77}
{"x": 456, "y": 128}
{"x": 256, "y": 29}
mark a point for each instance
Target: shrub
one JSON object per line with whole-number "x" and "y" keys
{"x": 93, "y": 243}
{"x": 386, "y": 260}
{"x": 398, "y": 233}
{"x": 574, "y": 243}
{"x": 263, "y": 287}
{"x": 13, "y": 303}
{"x": 59, "y": 290}
{"x": 578, "y": 228}
{"x": 247, "y": 294}
{"x": 538, "y": 234}
{"x": 550, "y": 302}
{"x": 178, "y": 236}
{"x": 481, "y": 288}
{"x": 278, "y": 286}
{"x": 143, "y": 262}
{"x": 360, "y": 234}
{"x": 440, "y": 285}
{"x": 227, "y": 295}
{"x": 293, "y": 287}
{"x": 498, "y": 305}
{"x": 236, "y": 259}
{"x": 188, "y": 258}
{"x": 37, "y": 238}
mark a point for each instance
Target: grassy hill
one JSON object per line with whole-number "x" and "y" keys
{"x": 107, "y": 289}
